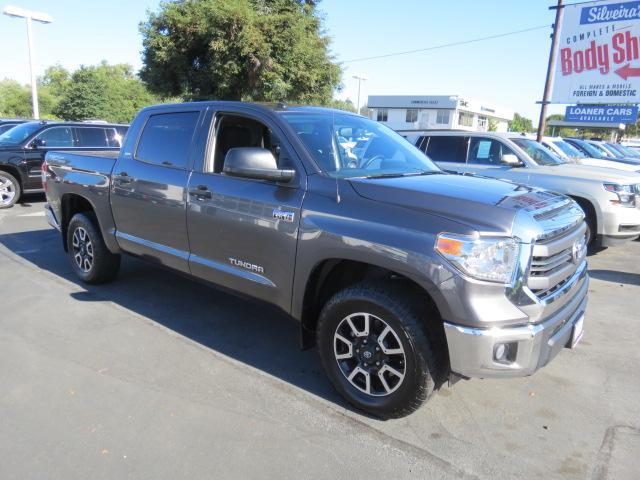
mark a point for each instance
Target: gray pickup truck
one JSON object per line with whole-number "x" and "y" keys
{"x": 404, "y": 276}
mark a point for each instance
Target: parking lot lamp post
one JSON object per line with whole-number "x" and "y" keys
{"x": 30, "y": 16}
{"x": 360, "y": 78}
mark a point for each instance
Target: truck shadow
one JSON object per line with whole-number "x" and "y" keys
{"x": 254, "y": 333}
{"x": 613, "y": 276}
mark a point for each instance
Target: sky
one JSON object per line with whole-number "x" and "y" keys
{"x": 508, "y": 71}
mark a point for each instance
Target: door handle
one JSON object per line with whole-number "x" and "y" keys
{"x": 201, "y": 191}
{"x": 123, "y": 177}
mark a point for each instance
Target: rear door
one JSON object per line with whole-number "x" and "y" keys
{"x": 243, "y": 232}
{"x": 485, "y": 158}
{"x": 55, "y": 137}
{"x": 149, "y": 187}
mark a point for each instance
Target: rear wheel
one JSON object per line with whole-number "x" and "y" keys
{"x": 9, "y": 190}
{"x": 88, "y": 254}
{"x": 374, "y": 350}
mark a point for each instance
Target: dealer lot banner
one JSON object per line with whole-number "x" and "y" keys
{"x": 599, "y": 54}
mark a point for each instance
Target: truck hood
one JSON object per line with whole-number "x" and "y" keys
{"x": 487, "y": 205}
{"x": 587, "y": 172}
{"x": 626, "y": 166}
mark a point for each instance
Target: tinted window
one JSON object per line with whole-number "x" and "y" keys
{"x": 57, "y": 137}
{"x": 166, "y": 139}
{"x": 486, "y": 151}
{"x": 537, "y": 152}
{"x": 447, "y": 149}
{"x": 91, "y": 137}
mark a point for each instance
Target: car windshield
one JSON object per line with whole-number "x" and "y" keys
{"x": 590, "y": 149}
{"x": 603, "y": 151}
{"x": 630, "y": 152}
{"x": 568, "y": 149}
{"x": 537, "y": 152}
{"x": 348, "y": 146}
{"x": 18, "y": 134}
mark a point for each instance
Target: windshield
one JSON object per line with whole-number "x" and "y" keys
{"x": 588, "y": 148}
{"x": 603, "y": 151}
{"x": 537, "y": 152}
{"x": 629, "y": 151}
{"x": 18, "y": 134}
{"x": 348, "y": 146}
{"x": 568, "y": 149}
{"x": 620, "y": 150}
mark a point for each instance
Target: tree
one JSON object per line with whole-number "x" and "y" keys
{"x": 15, "y": 101}
{"x": 493, "y": 126}
{"x": 520, "y": 124}
{"x": 107, "y": 92}
{"x": 260, "y": 50}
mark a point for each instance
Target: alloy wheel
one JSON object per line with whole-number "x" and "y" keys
{"x": 7, "y": 191}
{"x": 369, "y": 354}
{"x": 82, "y": 249}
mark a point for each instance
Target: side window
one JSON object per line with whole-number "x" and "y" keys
{"x": 487, "y": 151}
{"x": 234, "y": 131}
{"x": 91, "y": 137}
{"x": 57, "y": 137}
{"x": 447, "y": 149}
{"x": 166, "y": 139}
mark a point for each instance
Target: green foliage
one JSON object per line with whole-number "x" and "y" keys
{"x": 107, "y": 92}
{"x": 256, "y": 50}
{"x": 493, "y": 126}
{"x": 15, "y": 101}
{"x": 520, "y": 124}
{"x": 558, "y": 131}
{"x": 346, "y": 105}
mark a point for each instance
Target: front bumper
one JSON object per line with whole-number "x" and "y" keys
{"x": 472, "y": 350}
{"x": 619, "y": 225}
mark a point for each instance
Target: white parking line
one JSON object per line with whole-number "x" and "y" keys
{"x": 35, "y": 214}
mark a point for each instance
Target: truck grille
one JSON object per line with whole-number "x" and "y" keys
{"x": 555, "y": 259}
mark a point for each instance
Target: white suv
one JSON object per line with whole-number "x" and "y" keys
{"x": 610, "y": 198}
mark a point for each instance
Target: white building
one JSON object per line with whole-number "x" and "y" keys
{"x": 437, "y": 112}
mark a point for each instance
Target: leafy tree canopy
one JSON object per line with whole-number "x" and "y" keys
{"x": 520, "y": 124}
{"x": 260, "y": 50}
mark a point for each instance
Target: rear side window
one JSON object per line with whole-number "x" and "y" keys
{"x": 447, "y": 149}
{"x": 57, "y": 137}
{"x": 91, "y": 137}
{"x": 487, "y": 151}
{"x": 166, "y": 139}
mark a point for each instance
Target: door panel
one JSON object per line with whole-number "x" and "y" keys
{"x": 149, "y": 197}
{"x": 236, "y": 241}
{"x": 243, "y": 233}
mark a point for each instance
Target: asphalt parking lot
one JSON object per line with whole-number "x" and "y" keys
{"x": 156, "y": 376}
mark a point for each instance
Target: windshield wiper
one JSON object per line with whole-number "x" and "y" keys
{"x": 406, "y": 174}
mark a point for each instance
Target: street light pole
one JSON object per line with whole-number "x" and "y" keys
{"x": 30, "y": 16}
{"x": 360, "y": 78}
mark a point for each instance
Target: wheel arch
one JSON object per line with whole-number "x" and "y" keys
{"x": 332, "y": 275}
{"x": 72, "y": 203}
{"x": 590, "y": 210}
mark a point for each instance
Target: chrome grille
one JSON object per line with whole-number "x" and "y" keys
{"x": 553, "y": 261}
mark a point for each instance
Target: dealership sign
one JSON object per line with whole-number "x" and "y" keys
{"x": 601, "y": 114}
{"x": 598, "y": 54}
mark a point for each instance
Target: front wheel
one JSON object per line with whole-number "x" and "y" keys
{"x": 90, "y": 258}
{"x": 374, "y": 350}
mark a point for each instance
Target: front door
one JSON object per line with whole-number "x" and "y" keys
{"x": 149, "y": 189}
{"x": 52, "y": 138}
{"x": 243, "y": 233}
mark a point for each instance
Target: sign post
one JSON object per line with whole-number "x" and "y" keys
{"x": 550, "y": 70}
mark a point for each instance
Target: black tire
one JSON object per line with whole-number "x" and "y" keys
{"x": 10, "y": 190}
{"x": 397, "y": 310}
{"x": 90, "y": 258}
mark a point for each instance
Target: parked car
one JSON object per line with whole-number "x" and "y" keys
{"x": 23, "y": 148}
{"x": 401, "y": 273}
{"x": 571, "y": 154}
{"x": 623, "y": 152}
{"x": 608, "y": 197}
{"x": 8, "y": 123}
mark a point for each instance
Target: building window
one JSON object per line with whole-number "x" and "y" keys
{"x": 383, "y": 114}
{"x": 465, "y": 119}
{"x": 482, "y": 123}
{"x": 412, "y": 115}
{"x": 442, "y": 117}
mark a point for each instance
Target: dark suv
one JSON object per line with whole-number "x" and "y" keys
{"x": 23, "y": 147}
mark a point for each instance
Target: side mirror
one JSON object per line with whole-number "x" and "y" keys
{"x": 38, "y": 143}
{"x": 255, "y": 162}
{"x": 511, "y": 160}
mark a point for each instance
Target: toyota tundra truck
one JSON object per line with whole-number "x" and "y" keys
{"x": 405, "y": 277}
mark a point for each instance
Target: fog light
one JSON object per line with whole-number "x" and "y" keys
{"x": 500, "y": 352}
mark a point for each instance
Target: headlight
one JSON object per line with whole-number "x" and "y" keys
{"x": 626, "y": 194}
{"x": 491, "y": 259}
